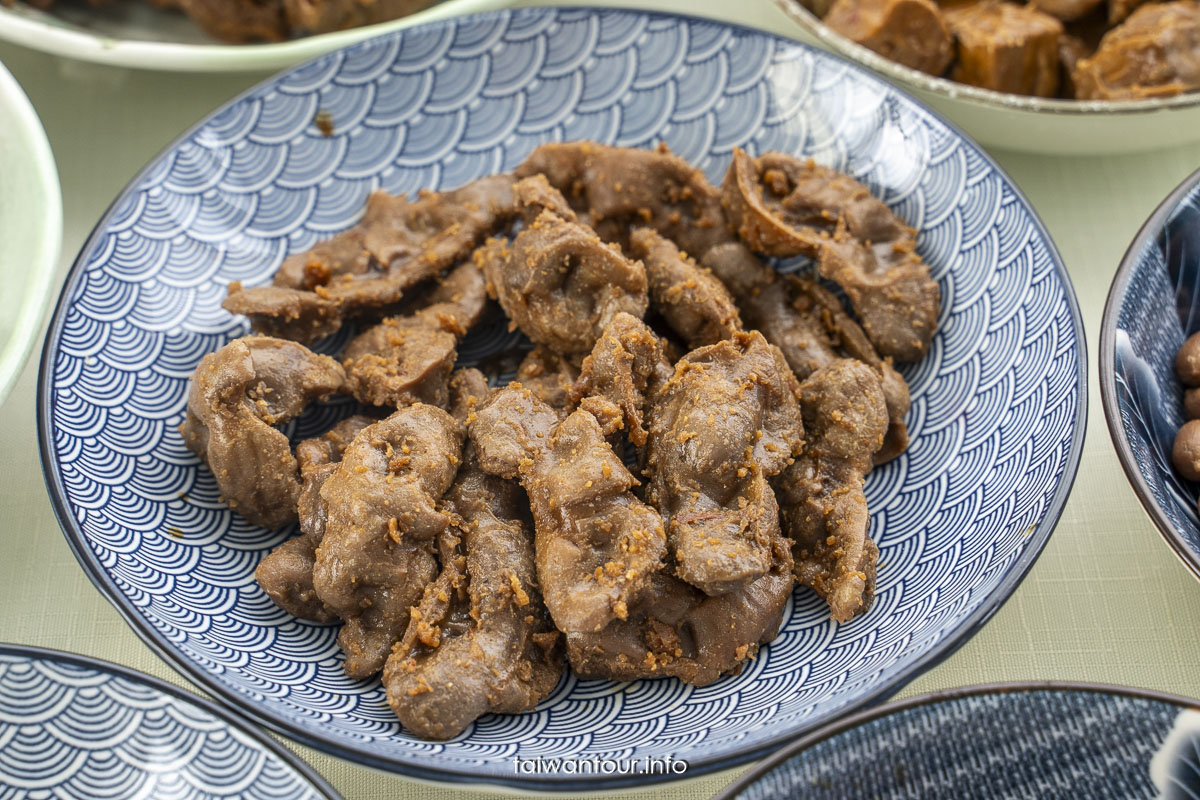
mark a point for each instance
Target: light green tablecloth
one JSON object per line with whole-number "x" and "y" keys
{"x": 1108, "y": 601}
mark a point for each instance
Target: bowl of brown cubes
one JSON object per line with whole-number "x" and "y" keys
{"x": 1069, "y": 77}
{"x": 1150, "y": 368}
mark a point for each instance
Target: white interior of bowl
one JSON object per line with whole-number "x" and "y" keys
{"x": 30, "y": 227}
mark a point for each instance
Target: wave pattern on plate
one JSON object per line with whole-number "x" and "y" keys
{"x": 994, "y": 404}
{"x": 68, "y": 730}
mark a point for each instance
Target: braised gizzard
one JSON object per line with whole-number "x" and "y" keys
{"x": 474, "y": 540}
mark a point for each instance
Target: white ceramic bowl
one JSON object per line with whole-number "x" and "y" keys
{"x": 30, "y": 227}
{"x": 1027, "y": 124}
{"x": 131, "y": 33}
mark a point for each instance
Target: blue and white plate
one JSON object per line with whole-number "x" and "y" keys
{"x": 1015, "y": 741}
{"x": 996, "y": 422}
{"x": 75, "y": 727}
{"x": 1153, "y": 306}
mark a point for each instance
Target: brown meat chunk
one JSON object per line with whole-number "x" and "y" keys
{"x": 383, "y": 518}
{"x": 398, "y": 244}
{"x": 285, "y": 313}
{"x": 725, "y": 422}
{"x": 549, "y": 376}
{"x": 1154, "y": 53}
{"x": 822, "y": 507}
{"x": 236, "y": 398}
{"x": 679, "y": 631}
{"x": 286, "y": 573}
{"x": 468, "y": 389}
{"x": 1119, "y": 10}
{"x": 1071, "y": 50}
{"x": 617, "y": 188}
{"x": 693, "y": 302}
{"x": 596, "y": 543}
{"x": 480, "y": 641}
{"x": 808, "y": 324}
{"x": 323, "y": 16}
{"x": 782, "y": 206}
{"x": 1066, "y": 10}
{"x": 238, "y": 21}
{"x": 911, "y": 32}
{"x": 890, "y": 290}
{"x": 406, "y": 360}
{"x": 1006, "y": 48}
{"x": 623, "y": 372}
{"x": 559, "y": 283}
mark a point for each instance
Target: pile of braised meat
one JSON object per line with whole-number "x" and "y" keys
{"x": 242, "y": 21}
{"x": 466, "y": 536}
{"x": 1085, "y": 49}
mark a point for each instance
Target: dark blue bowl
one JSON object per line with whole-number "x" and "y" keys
{"x": 1046, "y": 740}
{"x": 1153, "y": 305}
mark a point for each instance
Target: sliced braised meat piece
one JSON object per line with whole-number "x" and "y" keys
{"x": 239, "y": 21}
{"x": 559, "y": 283}
{"x": 910, "y": 32}
{"x": 822, "y": 507}
{"x": 534, "y": 195}
{"x": 323, "y": 16}
{"x": 617, "y": 188}
{"x": 679, "y": 631}
{"x": 1154, "y": 53}
{"x": 285, "y": 313}
{"x": 693, "y": 302}
{"x": 807, "y": 323}
{"x": 1006, "y": 48}
{"x": 624, "y": 370}
{"x": 468, "y": 389}
{"x": 399, "y": 244}
{"x": 784, "y": 207}
{"x": 549, "y": 376}
{"x": 815, "y": 301}
{"x": 480, "y": 640}
{"x": 781, "y": 206}
{"x": 725, "y": 422}
{"x": 286, "y": 574}
{"x": 1066, "y": 10}
{"x": 236, "y": 398}
{"x": 407, "y": 360}
{"x": 891, "y": 292}
{"x": 383, "y": 518}
{"x": 597, "y": 544}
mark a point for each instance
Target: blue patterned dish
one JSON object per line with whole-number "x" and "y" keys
{"x": 998, "y": 406}
{"x": 72, "y": 726}
{"x": 1153, "y": 305}
{"x": 1078, "y": 741}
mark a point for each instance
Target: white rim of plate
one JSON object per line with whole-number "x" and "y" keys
{"x": 24, "y": 128}
{"x": 31, "y": 28}
{"x": 910, "y": 78}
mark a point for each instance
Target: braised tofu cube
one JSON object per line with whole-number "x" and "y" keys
{"x": 1006, "y": 47}
{"x": 911, "y": 32}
